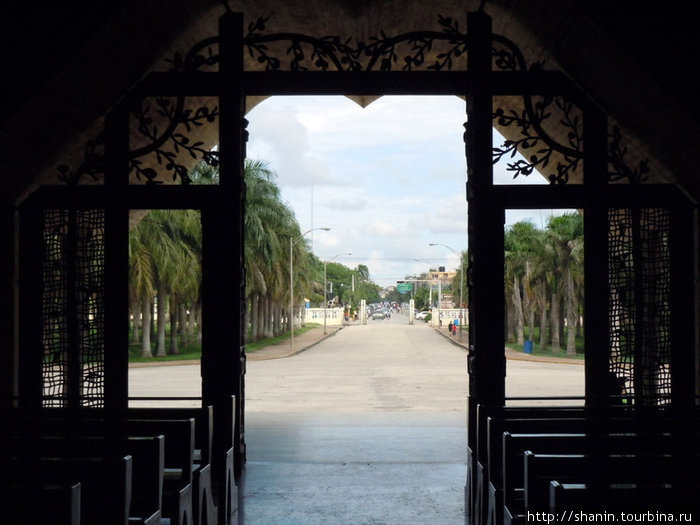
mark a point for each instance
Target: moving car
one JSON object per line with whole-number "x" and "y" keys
{"x": 379, "y": 314}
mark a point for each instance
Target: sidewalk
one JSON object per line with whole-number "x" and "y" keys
{"x": 315, "y": 335}
{"x": 463, "y": 341}
{"x": 301, "y": 343}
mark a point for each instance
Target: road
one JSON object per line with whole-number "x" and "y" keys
{"x": 368, "y": 426}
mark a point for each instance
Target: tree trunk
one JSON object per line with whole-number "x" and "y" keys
{"x": 184, "y": 321}
{"x": 277, "y": 321}
{"x": 511, "y": 334}
{"x": 198, "y": 328}
{"x": 174, "y": 328}
{"x": 543, "y": 325}
{"x": 146, "y": 335}
{"x": 554, "y": 318}
{"x": 261, "y": 319}
{"x": 571, "y": 315}
{"x": 268, "y": 316}
{"x": 136, "y": 313}
{"x": 518, "y": 305}
{"x": 254, "y": 317}
{"x": 160, "y": 345}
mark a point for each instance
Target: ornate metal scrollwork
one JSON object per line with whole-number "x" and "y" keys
{"x": 619, "y": 170}
{"x": 91, "y": 167}
{"x": 298, "y": 52}
{"x": 427, "y": 50}
{"x": 530, "y": 121}
{"x": 169, "y": 144}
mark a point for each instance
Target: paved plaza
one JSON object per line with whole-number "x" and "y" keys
{"x": 362, "y": 425}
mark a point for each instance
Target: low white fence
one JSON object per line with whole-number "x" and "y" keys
{"x": 334, "y": 316}
{"x": 447, "y": 315}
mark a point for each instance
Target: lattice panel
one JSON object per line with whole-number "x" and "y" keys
{"x": 73, "y": 308}
{"x": 640, "y": 312}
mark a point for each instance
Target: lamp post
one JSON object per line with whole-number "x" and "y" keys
{"x": 461, "y": 281}
{"x": 430, "y": 293}
{"x": 325, "y": 287}
{"x": 292, "y": 242}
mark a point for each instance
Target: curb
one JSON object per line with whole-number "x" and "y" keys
{"x": 514, "y": 355}
{"x": 295, "y": 352}
{"x": 197, "y": 361}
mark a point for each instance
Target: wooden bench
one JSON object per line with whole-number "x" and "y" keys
{"x": 619, "y": 469}
{"x": 493, "y": 422}
{"x": 58, "y": 504}
{"x": 478, "y": 475}
{"x": 486, "y": 457}
{"x": 568, "y": 498}
{"x": 204, "y": 504}
{"x": 221, "y": 493}
{"x": 178, "y": 462}
{"x": 176, "y": 503}
{"x": 515, "y": 445}
{"x": 213, "y": 488}
{"x": 105, "y": 483}
{"x": 147, "y": 455}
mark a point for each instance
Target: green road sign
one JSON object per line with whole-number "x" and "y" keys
{"x": 404, "y": 287}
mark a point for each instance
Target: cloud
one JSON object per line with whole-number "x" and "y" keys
{"x": 381, "y": 229}
{"x": 351, "y": 204}
{"x": 277, "y": 136}
{"x": 387, "y": 179}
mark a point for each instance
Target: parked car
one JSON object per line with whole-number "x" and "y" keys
{"x": 421, "y": 315}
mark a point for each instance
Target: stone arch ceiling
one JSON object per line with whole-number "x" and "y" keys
{"x": 68, "y": 66}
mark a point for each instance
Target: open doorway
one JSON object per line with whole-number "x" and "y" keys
{"x": 370, "y": 422}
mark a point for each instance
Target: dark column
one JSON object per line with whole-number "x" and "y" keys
{"x": 223, "y": 361}
{"x": 595, "y": 230}
{"x": 30, "y": 349}
{"x": 486, "y": 289}
{"x": 684, "y": 269}
{"x": 8, "y": 357}
{"x": 116, "y": 286}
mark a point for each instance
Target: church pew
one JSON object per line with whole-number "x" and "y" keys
{"x": 204, "y": 506}
{"x": 147, "y": 455}
{"x": 176, "y": 502}
{"x": 492, "y": 422}
{"x": 620, "y": 469}
{"x": 105, "y": 483}
{"x": 567, "y": 499}
{"x": 58, "y": 504}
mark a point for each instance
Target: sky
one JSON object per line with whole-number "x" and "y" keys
{"x": 387, "y": 179}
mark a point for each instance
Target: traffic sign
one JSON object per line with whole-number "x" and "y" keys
{"x": 404, "y": 287}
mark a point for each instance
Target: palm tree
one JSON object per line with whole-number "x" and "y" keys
{"x": 522, "y": 252}
{"x": 565, "y": 236}
{"x": 165, "y": 254}
{"x": 269, "y": 224}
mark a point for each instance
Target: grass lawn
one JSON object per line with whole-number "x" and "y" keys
{"x": 194, "y": 351}
{"x": 547, "y": 352}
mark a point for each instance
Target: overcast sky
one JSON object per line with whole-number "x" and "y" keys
{"x": 387, "y": 179}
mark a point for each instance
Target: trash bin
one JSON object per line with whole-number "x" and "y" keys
{"x": 528, "y": 347}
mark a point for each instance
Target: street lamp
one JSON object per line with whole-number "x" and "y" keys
{"x": 325, "y": 287}
{"x": 461, "y": 281}
{"x": 430, "y": 294}
{"x": 292, "y": 241}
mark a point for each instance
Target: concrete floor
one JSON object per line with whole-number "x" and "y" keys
{"x": 354, "y": 469}
{"x": 366, "y": 427}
